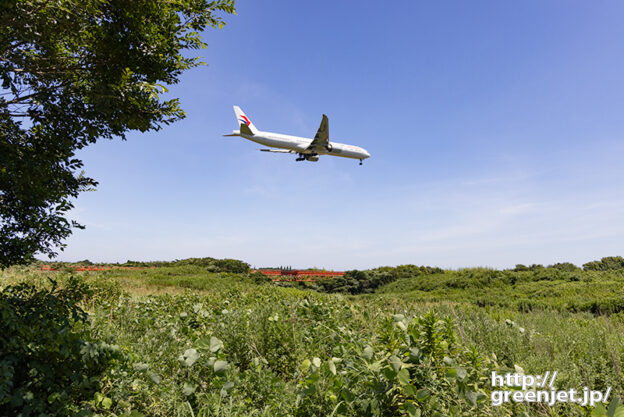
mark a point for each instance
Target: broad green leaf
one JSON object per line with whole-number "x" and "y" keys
{"x": 368, "y": 353}
{"x": 332, "y": 367}
{"x": 404, "y": 376}
{"x": 412, "y": 410}
{"x": 203, "y": 343}
{"x": 613, "y": 405}
{"x": 220, "y": 367}
{"x": 215, "y": 344}
{"x": 154, "y": 377}
{"x": 316, "y": 362}
{"x": 414, "y": 354}
{"x": 471, "y": 397}
{"x": 395, "y": 362}
{"x": 188, "y": 389}
{"x": 389, "y": 373}
{"x": 189, "y": 357}
{"x": 461, "y": 373}
{"x": 409, "y": 390}
{"x": 619, "y": 411}
{"x": 305, "y": 365}
{"x": 599, "y": 411}
{"x": 107, "y": 403}
{"x": 423, "y": 394}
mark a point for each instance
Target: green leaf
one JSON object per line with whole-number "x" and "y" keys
{"x": 316, "y": 362}
{"x": 613, "y": 405}
{"x": 471, "y": 397}
{"x": 203, "y": 343}
{"x": 412, "y": 410}
{"x": 461, "y": 373}
{"x": 423, "y": 394}
{"x": 220, "y": 367}
{"x": 414, "y": 355}
{"x": 53, "y": 397}
{"x": 404, "y": 377}
{"x": 107, "y": 403}
{"x": 154, "y": 377}
{"x": 188, "y": 389}
{"x": 332, "y": 367}
{"x": 409, "y": 390}
{"x": 215, "y": 344}
{"x": 389, "y": 373}
{"x": 140, "y": 366}
{"x": 619, "y": 411}
{"x": 189, "y": 357}
{"x": 599, "y": 411}
{"x": 305, "y": 365}
{"x": 395, "y": 362}
{"x": 368, "y": 353}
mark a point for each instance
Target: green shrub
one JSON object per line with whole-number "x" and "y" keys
{"x": 47, "y": 365}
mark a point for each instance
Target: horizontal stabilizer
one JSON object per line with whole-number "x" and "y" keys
{"x": 277, "y": 150}
{"x": 245, "y": 129}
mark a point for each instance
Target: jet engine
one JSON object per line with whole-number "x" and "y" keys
{"x": 312, "y": 158}
{"x": 329, "y": 147}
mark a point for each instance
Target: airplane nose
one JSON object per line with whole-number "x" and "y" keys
{"x": 367, "y": 154}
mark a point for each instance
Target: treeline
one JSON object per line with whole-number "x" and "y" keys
{"x": 363, "y": 282}
{"x": 608, "y": 263}
{"x": 368, "y": 281}
{"x": 210, "y": 264}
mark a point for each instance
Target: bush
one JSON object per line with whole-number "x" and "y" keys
{"x": 46, "y": 365}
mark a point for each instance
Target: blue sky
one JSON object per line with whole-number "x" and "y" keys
{"x": 495, "y": 131}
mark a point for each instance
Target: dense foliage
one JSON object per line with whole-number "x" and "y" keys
{"x": 74, "y": 71}
{"x": 180, "y": 340}
{"x": 609, "y": 263}
{"x": 362, "y": 282}
{"x": 541, "y": 288}
{"x": 211, "y": 264}
{"x": 48, "y": 366}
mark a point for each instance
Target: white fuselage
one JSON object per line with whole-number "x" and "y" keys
{"x": 300, "y": 145}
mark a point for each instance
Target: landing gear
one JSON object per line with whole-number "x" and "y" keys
{"x": 301, "y": 158}
{"x": 360, "y": 162}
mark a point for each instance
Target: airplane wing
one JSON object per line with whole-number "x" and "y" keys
{"x": 321, "y": 139}
{"x": 278, "y": 150}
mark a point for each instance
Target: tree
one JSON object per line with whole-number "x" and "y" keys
{"x": 73, "y": 72}
{"x": 608, "y": 263}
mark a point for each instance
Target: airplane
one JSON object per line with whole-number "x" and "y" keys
{"x": 307, "y": 149}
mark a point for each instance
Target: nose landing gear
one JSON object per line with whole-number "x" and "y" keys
{"x": 360, "y": 162}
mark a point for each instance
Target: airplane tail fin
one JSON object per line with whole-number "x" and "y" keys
{"x": 245, "y": 124}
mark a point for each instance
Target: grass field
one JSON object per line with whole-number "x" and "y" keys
{"x": 184, "y": 340}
